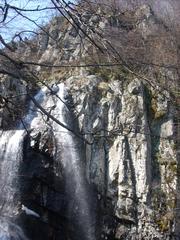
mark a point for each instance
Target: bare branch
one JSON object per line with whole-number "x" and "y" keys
{"x": 55, "y": 119}
{"x": 6, "y": 45}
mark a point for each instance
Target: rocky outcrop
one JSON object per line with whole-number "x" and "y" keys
{"x": 131, "y": 158}
{"x": 12, "y": 101}
{"x": 123, "y": 129}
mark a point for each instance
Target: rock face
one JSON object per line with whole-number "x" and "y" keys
{"x": 123, "y": 133}
{"x": 14, "y": 93}
{"x": 131, "y": 158}
{"x": 128, "y": 156}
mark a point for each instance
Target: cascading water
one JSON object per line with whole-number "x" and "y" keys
{"x": 66, "y": 154}
{"x": 10, "y": 155}
{"x": 10, "y": 231}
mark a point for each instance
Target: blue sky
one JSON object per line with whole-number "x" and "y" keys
{"x": 15, "y": 23}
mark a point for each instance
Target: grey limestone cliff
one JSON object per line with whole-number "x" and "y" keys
{"x": 115, "y": 172}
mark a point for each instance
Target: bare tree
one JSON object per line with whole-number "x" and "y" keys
{"x": 122, "y": 44}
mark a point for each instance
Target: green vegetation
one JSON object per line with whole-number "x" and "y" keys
{"x": 109, "y": 74}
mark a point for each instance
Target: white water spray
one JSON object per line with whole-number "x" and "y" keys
{"x": 11, "y": 156}
{"x": 11, "y": 152}
{"x": 67, "y": 153}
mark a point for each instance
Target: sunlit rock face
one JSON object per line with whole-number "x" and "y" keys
{"x": 131, "y": 158}
{"x": 112, "y": 175}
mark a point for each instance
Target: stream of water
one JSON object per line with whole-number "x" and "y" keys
{"x": 68, "y": 154}
{"x": 11, "y": 156}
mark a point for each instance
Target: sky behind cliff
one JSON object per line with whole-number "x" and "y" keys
{"x": 16, "y": 23}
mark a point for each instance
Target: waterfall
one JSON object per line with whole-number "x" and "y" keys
{"x": 66, "y": 154}
{"x": 11, "y": 143}
{"x": 11, "y": 148}
{"x": 10, "y": 231}
{"x": 11, "y": 155}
